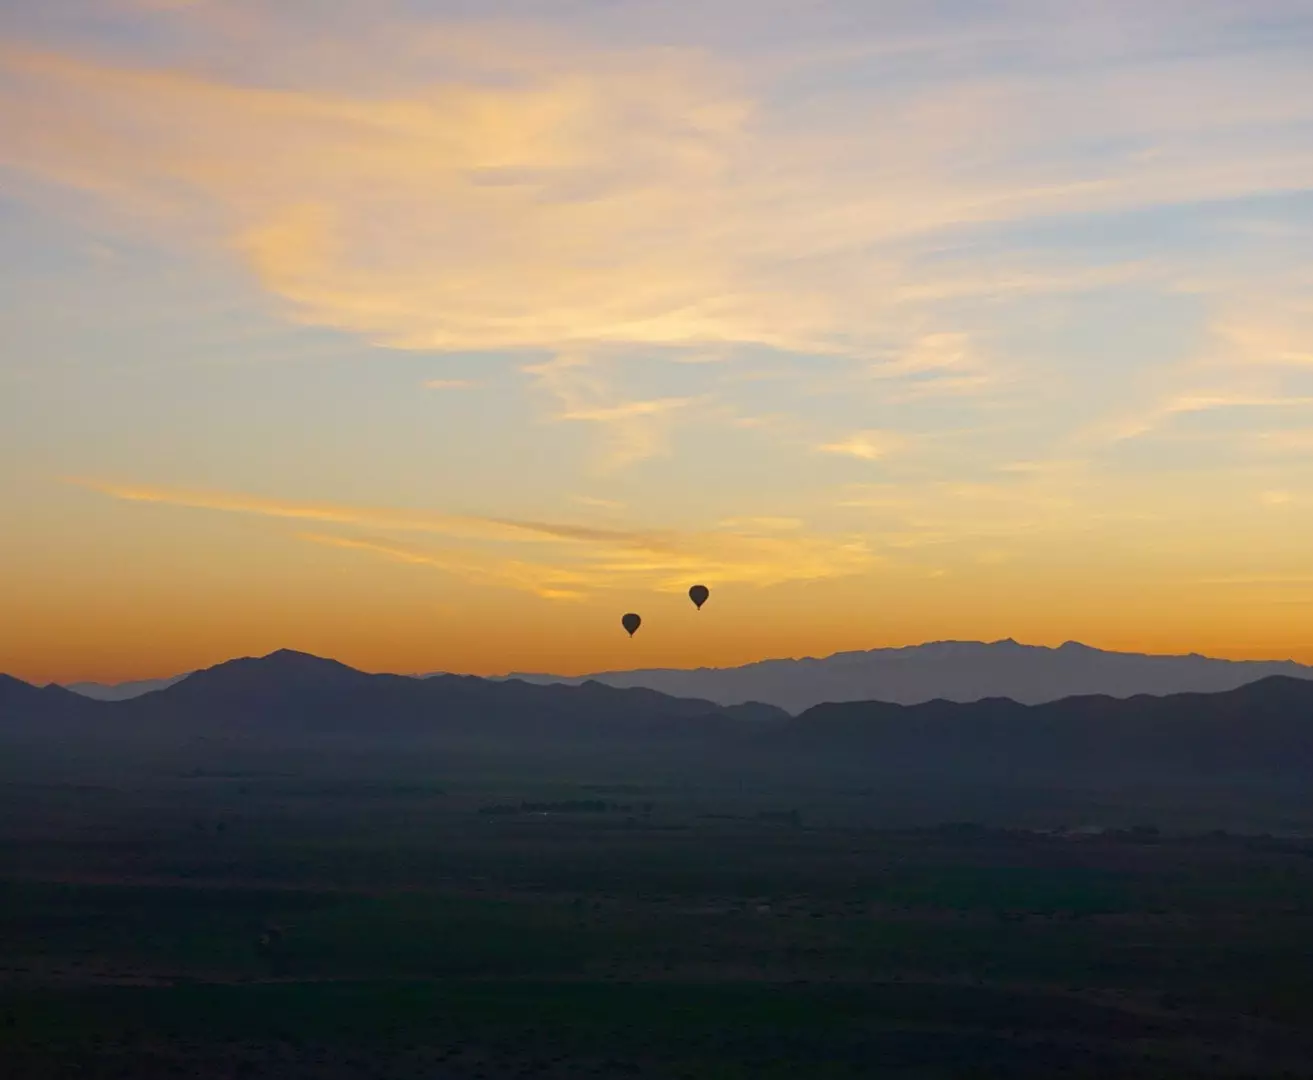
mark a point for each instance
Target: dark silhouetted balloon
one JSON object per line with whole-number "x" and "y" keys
{"x": 631, "y": 622}
{"x": 698, "y": 594}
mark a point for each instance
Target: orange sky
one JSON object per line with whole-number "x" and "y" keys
{"x": 427, "y": 341}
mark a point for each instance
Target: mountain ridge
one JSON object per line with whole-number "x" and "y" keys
{"x": 1263, "y": 728}
{"x": 1260, "y": 733}
{"x": 951, "y": 669}
{"x": 796, "y": 684}
{"x": 121, "y": 691}
{"x": 298, "y": 693}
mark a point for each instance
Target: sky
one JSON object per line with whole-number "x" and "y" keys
{"x": 436, "y": 335}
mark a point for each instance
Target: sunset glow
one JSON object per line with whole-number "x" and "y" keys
{"x": 431, "y": 335}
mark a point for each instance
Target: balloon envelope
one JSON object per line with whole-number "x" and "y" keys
{"x": 698, "y": 594}
{"x": 631, "y": 622}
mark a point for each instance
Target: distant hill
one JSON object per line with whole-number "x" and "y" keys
{"x": 16, "y": 694}
{"x": 46, "y": 708}
{"x": 123, "y": 691}
{"x": 949, "y": 670}
{"x": 289, "y": 696}
{"x": 1263, "y": 729}
{"x": 1256, "y": 739}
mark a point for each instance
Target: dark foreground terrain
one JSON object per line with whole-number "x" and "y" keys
{"x": 291, "y": 918}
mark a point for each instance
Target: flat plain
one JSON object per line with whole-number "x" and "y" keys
{"x": 291, "y": 919}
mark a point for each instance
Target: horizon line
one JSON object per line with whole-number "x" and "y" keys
{"x": 520, "y": 674}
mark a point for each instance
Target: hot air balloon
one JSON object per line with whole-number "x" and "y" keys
{"x": 631, "y": 622}
{"x": 698, "y": 594}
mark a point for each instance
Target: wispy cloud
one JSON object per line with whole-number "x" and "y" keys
{"x": 1286, "y": 441}
{"x": 369, "y": 517}
{"x": 595, "y": 195}
{"x": 633, "y": 430}
{"x": 769, "y": 524}
{"x": 584, "y": 559}
{"x": 979, "y": 516}
{"x": 449, "y": 384}
{"x": 1254, "y": 351}
{"x": 1267, "y": 334}
{"x": 1049, "y": 467}
{"x": 625, "y": 411}
{"x": 543, "y": 580}
{"x": 938, "y": 352}
{"x": 1276, "y": 581}
{"x": 1186, "y": 404}
{"x": 936, "y": 365}
{"x": 866, "y": 445}
{"x": 610, "y": 505}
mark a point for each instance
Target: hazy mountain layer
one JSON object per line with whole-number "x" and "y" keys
{"x": 123, "y": 691}
{"x": 948, "y": 670}
{"x": 951, "y": 670}
{"x": 1260, "y": 734}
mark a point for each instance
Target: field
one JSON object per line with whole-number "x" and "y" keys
{"x": 293, "y": 920}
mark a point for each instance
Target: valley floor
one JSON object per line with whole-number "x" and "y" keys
{"x": 254, "y": 924}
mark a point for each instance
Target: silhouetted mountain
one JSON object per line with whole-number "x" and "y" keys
{"x": 952, "y": 670}
{"x": 14, "y": 693}
{"x": 38, "y": 707}
{"x": 123, "y": 691}
{"x": 290, "y": 695}
{"x": 9, "y": 685}
{"x": 1262, "y": 729}
{"x": 1262, "y": 732}
{"x": 948, "y": 670}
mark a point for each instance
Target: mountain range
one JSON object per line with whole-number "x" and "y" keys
{"x": 289, "y": 695}
{"x": 1261, "y": 730}
{"x": 1260, "y": 733}
{"x": 946, "y": 670}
